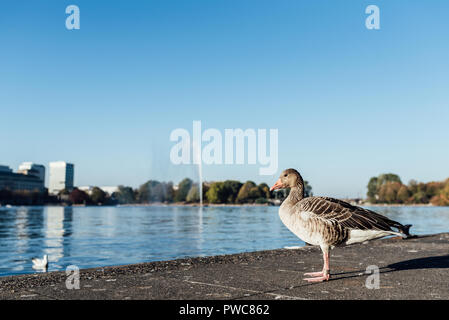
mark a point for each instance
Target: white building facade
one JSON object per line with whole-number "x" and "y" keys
{"x": 61, "y": 177}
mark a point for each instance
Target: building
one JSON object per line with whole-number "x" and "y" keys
{"x": 19, "y": 182}
{"x": 110, "y": 189}
{"x": 5, "y": 169}
{"x": 86, "y": 189}
{"x": 61, "y": 177}
{"x": 30, "y": 168}
{"x": 107, "y": 189}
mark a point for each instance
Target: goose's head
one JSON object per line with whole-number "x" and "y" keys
{"x": 289, "y": 178}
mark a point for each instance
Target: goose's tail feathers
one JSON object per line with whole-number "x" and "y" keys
{"x": 404, "y": 229}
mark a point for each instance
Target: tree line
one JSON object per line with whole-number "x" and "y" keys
{"x": 383, "y": 189}
{"x": 152, "y": 191}
{"x": 388, "y": 188}
{"x": 187, "y": 191}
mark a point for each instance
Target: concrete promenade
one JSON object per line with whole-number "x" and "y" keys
{"x": 409, "y": 269}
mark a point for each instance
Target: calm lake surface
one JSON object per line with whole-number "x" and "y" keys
{"x": 104, "y": 236}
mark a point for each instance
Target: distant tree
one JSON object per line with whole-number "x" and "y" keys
{"x": 307, "y": 189}
{"x": 372, "y": 190}
{"x": 442, "y": 199}
{"x": 387, "y": 177}
{"x": 264, "y": 190}
{"x": 403, "y": 195}
{"x": 281, "y": 194}
{"x": 254, "y": 193}
{"x": 413, "y": 186}
{"x": 78, "y": 196}
{"x": 158, "y": 192}
{"x": 124, "y": 195}
{"x": 98, "y": 196}
{"x": 386, "y": 194}
{"x": 231, "y": 190}
{"x": 183, "y": 189}
{"x": 169, "y": 192}
{"x": 155, "y": 191}
{"x": 377, "y": 189}
{"x": 217, "y": 193}
{"x": 194, "y": 194}
{"x": 244, "y": 195}
{"x": 419, "y": 197}
{"x": 389, "y": 191}
{"x": 144, "y": 193}
{"x": 63, "y": 192}
{"x": 433, "y": 189}
{"x": 382, "y": 193}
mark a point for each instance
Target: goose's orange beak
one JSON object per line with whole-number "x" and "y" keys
{"x": 277, "y": 185}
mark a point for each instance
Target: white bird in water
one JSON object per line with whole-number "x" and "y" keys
{"x": 329, "y": 222}
{"x": 40, "y": 263}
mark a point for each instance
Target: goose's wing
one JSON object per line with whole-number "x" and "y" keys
{"x": 345, "y": 214}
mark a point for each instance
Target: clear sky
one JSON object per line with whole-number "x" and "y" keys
{"x": 349, "y": 103}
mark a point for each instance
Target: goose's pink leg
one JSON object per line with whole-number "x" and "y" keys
{"x": 323, "y": 275}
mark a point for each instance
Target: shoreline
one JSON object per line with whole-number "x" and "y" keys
{"x": 160, "y": 204}
{"x": 400, "y": 205}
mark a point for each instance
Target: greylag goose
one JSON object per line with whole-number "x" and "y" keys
{"x": 329, "y": 222}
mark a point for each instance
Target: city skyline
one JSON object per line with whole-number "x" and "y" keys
{"x": 349, "y": 103}
{"x": 32, "y": 176}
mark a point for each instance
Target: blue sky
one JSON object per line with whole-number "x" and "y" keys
{"x": 349, "y": 103}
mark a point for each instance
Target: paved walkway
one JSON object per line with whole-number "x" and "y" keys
{"x": 409, "y": 269}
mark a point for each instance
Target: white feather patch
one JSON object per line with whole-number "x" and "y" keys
{"x": 357, "y": 236}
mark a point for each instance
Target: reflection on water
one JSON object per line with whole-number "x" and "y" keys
{"x": 26, "y": 232}
{"x": 100, "y": 236}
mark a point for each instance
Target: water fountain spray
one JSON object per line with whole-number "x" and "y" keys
{"x": 197, "y": 155}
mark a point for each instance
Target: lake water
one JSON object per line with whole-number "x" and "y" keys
{"x": 105, "y": 236}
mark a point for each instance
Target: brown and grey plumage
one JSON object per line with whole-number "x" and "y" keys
{"x": 329, "y": 222}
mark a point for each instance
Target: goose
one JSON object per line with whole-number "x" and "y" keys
{"x": 329, "y": 222}
{"x": 40, "y": 263}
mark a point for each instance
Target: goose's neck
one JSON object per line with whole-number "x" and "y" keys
{"x": 296, "y": 194}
